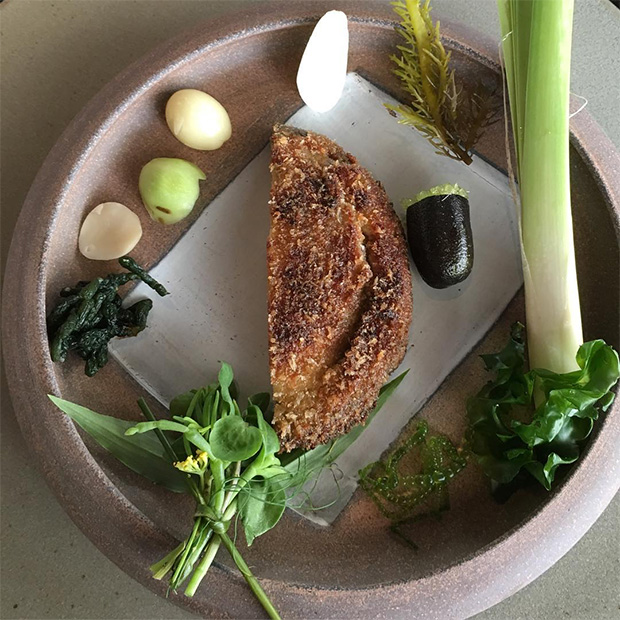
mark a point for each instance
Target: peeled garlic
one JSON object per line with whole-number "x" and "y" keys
{"x": 109, "y": 231}
{"x": 198, "y": 120}
{"x": 323, "y": 67}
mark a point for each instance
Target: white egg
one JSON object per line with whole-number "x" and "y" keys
{"x": 323, "y": 67}
{"x": 109, "y": 231}
{"x": 198, "y": 120}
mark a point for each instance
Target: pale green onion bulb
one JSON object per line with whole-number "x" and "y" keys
{"x": 169, "y": 188}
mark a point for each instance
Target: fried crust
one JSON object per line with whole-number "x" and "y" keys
{"x": 339, "y": 289}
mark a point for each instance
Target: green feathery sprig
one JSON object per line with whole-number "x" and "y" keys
{"x": 451, "y": 118}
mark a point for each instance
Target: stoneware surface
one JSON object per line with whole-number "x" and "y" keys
{"x": 480, "y": 552}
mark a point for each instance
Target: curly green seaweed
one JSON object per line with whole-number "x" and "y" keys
{"x": 396, "y": 493}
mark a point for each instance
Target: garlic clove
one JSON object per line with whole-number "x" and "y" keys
{"x": 198, "y": 120}
{"x": 109, "y": 231}
{"x": 323, "y": 67}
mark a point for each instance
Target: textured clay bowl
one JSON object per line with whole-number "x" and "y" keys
{"x": 480, "y": 552}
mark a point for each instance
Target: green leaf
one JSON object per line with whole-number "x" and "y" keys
{"x": 233, "y": 439}
{"x": 277, "y": 470}
{"x": 545, "y": 474}
{"x": 179, "y": 405}
{"x": 193, "y": 436}
{"x": 266, "y": 458}
{"x": 324, "y": 455}
{"x": 215, "y": 408}
{"x": 504, "y": 444}
{"x": 606, "y": 401}
{"x": 271, "y": 443}
{"x": 260, "y": 400}
{"x": 261, "y": 505}
{"x": 225, "y": 379}
{"x": 178, "y": 447}
{"x": 143, "y": 454}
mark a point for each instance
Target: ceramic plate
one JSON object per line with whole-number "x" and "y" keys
{"x": 480, "y": 552}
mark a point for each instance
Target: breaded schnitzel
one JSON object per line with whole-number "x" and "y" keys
{"x": 339, "y": 289}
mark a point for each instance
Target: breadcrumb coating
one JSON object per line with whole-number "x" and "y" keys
{"x": 339, "y": 289}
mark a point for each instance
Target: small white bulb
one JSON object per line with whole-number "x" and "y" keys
{"x": 198, "y": 120}
{"x": 323, "y": 67}
{"x": 109, "y": 231}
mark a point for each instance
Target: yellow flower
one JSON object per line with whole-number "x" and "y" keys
{"x": 194, "y": 464}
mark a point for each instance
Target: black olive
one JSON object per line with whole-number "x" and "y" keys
{"x": 440, "y": 239}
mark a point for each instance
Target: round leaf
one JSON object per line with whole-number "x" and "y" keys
{"x": 261, "y": 505}
{"x": 232, "y": 439}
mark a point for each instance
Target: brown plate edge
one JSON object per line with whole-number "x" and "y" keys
{"x": 105, "y": 515}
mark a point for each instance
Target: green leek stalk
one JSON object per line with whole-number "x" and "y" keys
{"x": 537, "y": 52}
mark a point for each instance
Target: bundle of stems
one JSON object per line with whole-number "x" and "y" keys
{"x": 227, "y": 459}
{"x": 224, "y": 455}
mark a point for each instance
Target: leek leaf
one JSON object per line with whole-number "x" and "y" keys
{"x": 324, "y": 455}
{"x": 536, "y": 41}
{"x": 143, "y": 454}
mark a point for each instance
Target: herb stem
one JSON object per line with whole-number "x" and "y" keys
{"x": 203, "y": 538}
{"x": 160, "y": 569}
{"x": 218, "y": 495}
{"x": 463, "y": 154}
{"x": 182, "y": 563}
{"x": 249, "y": 577}
{"x": 232, "y": 492}
{"x": 230, "y": 508}
{"x": 148, "y": 414}
{"x": 230, "y": 511}
{"x": 203, "y": 567}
